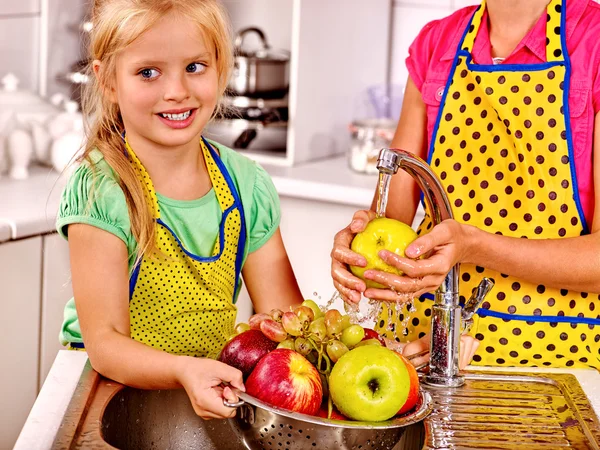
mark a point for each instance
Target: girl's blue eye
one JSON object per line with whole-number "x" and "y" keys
{"x": 195, "y": 68}
{"x": 149, "y": 74}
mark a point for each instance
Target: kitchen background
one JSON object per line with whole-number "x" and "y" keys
{"x": 345, "y": 54}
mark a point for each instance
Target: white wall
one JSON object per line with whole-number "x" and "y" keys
{"x": 409, "y": 17}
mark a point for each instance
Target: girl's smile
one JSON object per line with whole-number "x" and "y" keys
{"x": 179, "y": 118}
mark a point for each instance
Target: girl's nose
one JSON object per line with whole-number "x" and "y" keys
{"x": 176, "y": 89}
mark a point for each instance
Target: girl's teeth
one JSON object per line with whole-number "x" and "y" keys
{"x": 181, "y": 116}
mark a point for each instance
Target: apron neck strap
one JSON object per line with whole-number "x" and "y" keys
{"x": 555, "y": 30}
{"x": 144, "y": 177}
{"x": 214, "y": 170}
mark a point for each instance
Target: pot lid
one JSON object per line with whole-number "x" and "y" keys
{"x": 266, "y": 53}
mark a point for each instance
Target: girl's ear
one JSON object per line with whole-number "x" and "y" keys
{"x": 107, "y": 89}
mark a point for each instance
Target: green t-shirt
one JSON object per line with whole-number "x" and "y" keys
{"x": 195, "y": 222}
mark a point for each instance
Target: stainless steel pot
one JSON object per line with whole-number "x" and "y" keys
{"x": 260, "y": 73}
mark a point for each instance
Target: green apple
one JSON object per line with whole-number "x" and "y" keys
{"x": 381, "y": 234}
{"x": 369, "y": 383}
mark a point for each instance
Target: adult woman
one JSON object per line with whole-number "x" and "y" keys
{"x": 506, "y": 95}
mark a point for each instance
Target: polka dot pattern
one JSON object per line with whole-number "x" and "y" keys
{"x": 180, "y": 304}
{"x": 502, "y": 155}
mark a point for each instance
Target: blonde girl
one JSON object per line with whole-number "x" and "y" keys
{"x": 163, "y": 224}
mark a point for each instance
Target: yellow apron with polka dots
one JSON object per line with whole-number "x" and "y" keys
{"x": 502, "y": 148}
{"x": 180, "y": 302}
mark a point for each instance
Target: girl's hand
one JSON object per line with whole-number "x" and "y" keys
{"x": 468, "y": 347}
{"x": 444, "y": 246}
{"x": 349, "y": 286}
{"x": 203, "y": 380}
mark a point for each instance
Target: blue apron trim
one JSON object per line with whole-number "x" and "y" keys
{"x": 446, "y": 89}
{"x": 237, "y": 201}
{"x": 133, "y": 278}
{"x": 507, "y": 67}
{"x": 221, "y": 239}
{"x": 482, "y": 312}
{"x": 242, "y": 239}
{"x": 567, "y": 116}
{"x": 76, "y": 344}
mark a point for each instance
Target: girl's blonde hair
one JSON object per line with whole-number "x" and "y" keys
{"x": 116, "y": 24}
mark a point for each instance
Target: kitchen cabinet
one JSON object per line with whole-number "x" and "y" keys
{"x": 56, "y": 291}
{"x": 20, "y": 268}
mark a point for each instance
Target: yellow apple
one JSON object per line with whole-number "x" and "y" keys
{"x": 381, "y": 234}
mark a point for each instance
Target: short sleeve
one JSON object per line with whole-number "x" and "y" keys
{"x": 420, "y": 53}
{"x": 92, "y": 196}
{"x": 265, "y": 211}
{"x": 596, "y": 89}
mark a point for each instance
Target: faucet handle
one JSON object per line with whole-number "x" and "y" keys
{"x": 471, "y": 305}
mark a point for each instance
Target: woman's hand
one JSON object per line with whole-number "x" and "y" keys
{"x": 203, "y": 380}
{"x": 349, "y": 286}
{"x": 468, "y": 347}
{"x": 444, "y": 246}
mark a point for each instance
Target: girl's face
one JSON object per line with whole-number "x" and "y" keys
{"x": 167, "y": 84}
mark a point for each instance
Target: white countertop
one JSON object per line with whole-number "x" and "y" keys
{"x": 46, "y": 415}
{"x": 28, "y": 207}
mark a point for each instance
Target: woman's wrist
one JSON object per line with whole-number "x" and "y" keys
{"x": 472, "y": 244}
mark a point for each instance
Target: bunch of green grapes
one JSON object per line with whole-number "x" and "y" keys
{"x": 321, "y": 337}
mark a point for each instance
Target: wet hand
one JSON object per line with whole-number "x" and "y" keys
{"x": 349, "y": 286}
{"x": 428, "y": 259}
{"x": 203, "y": 381}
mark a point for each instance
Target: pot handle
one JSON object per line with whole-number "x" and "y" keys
{"x": 245, "y": 138}
{"x": 237, "y": 404}
{"x": 239, "y": 38}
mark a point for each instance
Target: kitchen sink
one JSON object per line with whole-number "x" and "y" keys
{"x": 491, "y": 411}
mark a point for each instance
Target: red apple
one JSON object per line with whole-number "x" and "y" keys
{"x": 413, "y": 391}
{"x": 245, "y": 350}
{"x": 335, "y": 414}
{"x": 286, "y": 379}
{"x": 372, "y": 334}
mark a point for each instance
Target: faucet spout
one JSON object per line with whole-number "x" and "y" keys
{"x": 446, "y": 310}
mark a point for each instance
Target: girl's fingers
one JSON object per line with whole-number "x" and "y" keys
{"x": 229, "y": 395}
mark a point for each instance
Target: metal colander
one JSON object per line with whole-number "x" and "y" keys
{"x": 265, "y": 427}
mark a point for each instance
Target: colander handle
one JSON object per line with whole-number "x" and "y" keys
{"x": 237, "y": 404}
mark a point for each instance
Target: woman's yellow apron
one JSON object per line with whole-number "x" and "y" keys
{"x": 180, "y": 302}
{"x": 502, "y": 148}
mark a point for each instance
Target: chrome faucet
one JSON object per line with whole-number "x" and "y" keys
{"x": 447, "y": 313}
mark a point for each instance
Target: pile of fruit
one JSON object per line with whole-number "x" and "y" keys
{"x": 319, "y": 363}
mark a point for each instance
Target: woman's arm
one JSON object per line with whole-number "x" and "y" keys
{"x": 269, "y": 277}
{"x": 101, "y": 288}
{"x": 411, "y": 135}
{"x": 570, "y": 263}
